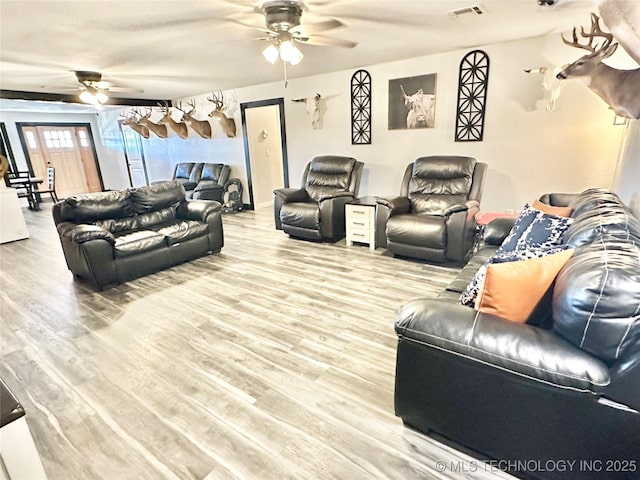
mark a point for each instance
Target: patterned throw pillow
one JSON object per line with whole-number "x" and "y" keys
{"x": 469, "y": 295}
{"x": 535, "y": 229}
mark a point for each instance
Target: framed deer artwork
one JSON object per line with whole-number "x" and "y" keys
{"x": 412, "y": 102}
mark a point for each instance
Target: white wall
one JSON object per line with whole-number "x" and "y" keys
{"x": 529, "y": 150}
{"x": 628, "y": 175}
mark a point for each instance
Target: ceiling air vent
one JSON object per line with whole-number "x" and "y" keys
{"x": 473, "y": 10}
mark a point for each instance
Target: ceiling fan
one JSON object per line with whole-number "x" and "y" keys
{"x": 93, "y": 89}
{"x": 282, "y": 19}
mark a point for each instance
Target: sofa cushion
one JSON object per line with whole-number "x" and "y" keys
{"x": 207, "y": 184}
{"x": 596, "y": 299}
{"x": 141, "y": 241}
{"x": 211, "y": 172}
{"x": 181, "y": 230}
{"x": 535, "y": 229}
{"x": 328, "y": 174}
{"x": 512, "y": 290}
{"x": 157, "y": 196}
{"x": 119, "y": 225}
{"x": 438, "y": 182}
{"x": 531, "y": 352}
{"x": 423, "y": 230}
{"x": 183, "y": 170}
{"x": 607, "y": 219}
{"x": 88, "y": 207}
{"x": 593, "y": 198}
{"x": 149, "y": 219}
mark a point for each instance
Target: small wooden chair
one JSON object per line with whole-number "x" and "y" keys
{"x": 22, "y": 184}
{"x": 51, "y": 185}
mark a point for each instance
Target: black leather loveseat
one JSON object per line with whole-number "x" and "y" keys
{"x": 112, "y": 237}
{"x": 203, "y": 181}
{"x": 557, "y": 397}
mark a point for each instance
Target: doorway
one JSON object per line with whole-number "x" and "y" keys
{"x": 265, "y": 149}
{"x": 134, "y": 157}
{"x": 68, "y": 148}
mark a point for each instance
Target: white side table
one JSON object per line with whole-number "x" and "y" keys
{"x": 360, "y": 221}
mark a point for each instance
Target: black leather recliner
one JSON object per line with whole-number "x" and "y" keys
{"x": 316, "y": 211}
{"x": 188, "y": 174}
{"x": 434, "y": 217}
{"x": 212, "y": 182}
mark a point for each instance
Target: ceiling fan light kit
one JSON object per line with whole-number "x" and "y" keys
{"x": 91, "y": 94}
{"x": 271, "y": 53}
{"x": 95, "y": 97}
{"x": 286, "y": 50}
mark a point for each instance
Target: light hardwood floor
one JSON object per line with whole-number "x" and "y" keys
{"x": 274, "y": 359}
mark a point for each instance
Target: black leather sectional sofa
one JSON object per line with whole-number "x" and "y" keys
{"x": 113, "y": 237}
{"x": 558, "y": 397}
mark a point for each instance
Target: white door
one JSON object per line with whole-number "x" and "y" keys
{"x": 265, "y": 152}
{"x": 134, "y": 156}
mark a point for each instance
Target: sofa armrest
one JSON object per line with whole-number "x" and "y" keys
{"x": 291, "y": 194}
{"x": 208, "y": 191}
{"x": 471, "y": 204}
{"x": 340, "y": 194}
{"x": 396, "y": 205}
{"x": 497, "y": 230}
{"x": 189, "y": 185}
{"x": 386, "y": 208}
{"x": 516, "y": 348}
{"x": 198, "y": 209}
{"x": 88, "y": 251}
{"x": 80, "y": 233}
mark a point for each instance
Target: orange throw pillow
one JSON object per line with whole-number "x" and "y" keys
{"x": 551, "y": 210}
{"x": 512, "y": 290}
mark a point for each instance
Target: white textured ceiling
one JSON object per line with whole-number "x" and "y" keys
{"x": 177, "y": 48}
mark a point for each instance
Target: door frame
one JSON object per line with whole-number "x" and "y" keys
{"x": 5, "y": 147}
{"x": 92, "y": 144}
{"x": 283, "y": 137}
{"x": 126, "y": 156}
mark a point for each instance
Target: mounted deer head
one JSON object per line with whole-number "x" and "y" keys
{"x": 313, "y": 108}
{"x": 551, "y": 85}
{"x": 619, "y": 88}
{"x": 131, "y": 121}
{"x": 160, "y": 130}
{"x": 201, "y": 127}
{"x": 227, "y": 124}
{"x": 179, "y": 127}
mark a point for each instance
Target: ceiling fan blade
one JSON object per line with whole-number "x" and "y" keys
{"x": 327, "y": 41}
{"x": 122, "y": 89}
{"x": 253, "y": 25}
{"x": 311, "y": 28}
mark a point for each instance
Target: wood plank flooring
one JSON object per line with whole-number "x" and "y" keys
{"x": 274, "y": 359}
